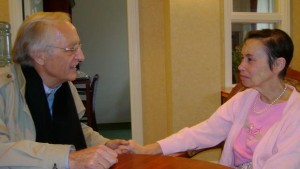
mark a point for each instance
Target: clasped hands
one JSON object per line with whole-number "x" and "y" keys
{"x": 104, "y": 156}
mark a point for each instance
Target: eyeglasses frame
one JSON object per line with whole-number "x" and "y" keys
{"x": 73, "y": 49}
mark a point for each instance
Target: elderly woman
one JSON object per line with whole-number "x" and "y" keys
{"x": 261, "y": 124}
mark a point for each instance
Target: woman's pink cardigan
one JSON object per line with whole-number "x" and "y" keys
{"x": 278, "y": 149}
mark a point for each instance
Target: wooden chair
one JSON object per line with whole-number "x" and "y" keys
{"x": 292, "y": 77}
{"x": 293, "y": 74}
{"x": 94, "y": 87}
{"x": 87, "y": 90}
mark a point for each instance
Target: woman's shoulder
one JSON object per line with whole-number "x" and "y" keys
{"x": 295, "y": 95}
{"x": 245, "y": 94}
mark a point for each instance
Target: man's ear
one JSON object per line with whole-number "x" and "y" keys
{"x": 279, "y": 64}
{"x": 38, "y": 57}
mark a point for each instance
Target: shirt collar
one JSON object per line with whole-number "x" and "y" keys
{"x": 49, "y": 90}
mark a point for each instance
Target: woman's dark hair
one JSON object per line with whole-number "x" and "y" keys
{"x": 278, "y": 44}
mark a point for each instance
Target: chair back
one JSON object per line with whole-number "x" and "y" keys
{"x": 293, "y": 78}
{"x": 87, "y": 91}
{"x": 293, "y": 74}
{"x": 94, "y": 86}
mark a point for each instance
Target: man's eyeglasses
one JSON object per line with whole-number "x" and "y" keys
{"x": 72, "y": 50}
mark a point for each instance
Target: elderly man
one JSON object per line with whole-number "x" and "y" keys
{"x": 40, "y": 107}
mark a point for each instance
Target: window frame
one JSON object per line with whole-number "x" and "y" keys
{"x": 281, "y": 18}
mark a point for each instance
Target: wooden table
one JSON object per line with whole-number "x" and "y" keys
{"x": 139, "y": 161}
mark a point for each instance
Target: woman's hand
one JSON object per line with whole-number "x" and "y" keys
{"x": 116, "y": 143}
{"x": 136, "y": 148}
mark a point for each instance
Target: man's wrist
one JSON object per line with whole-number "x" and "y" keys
{"x": 72, "y": 148}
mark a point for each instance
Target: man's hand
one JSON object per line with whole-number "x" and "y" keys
{"x": 100, "y": 157}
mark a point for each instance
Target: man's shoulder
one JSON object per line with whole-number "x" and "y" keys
{"x": 6, "y": 75}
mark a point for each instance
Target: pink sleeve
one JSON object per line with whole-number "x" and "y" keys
{"x": 203, "y": 135}
{"x": 173, "y": 143}
{"x": 207, "y": 133}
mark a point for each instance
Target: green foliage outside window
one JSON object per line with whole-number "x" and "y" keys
{"x": 236, "y": 60}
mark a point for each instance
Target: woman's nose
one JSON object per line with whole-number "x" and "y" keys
{"x": 241, "y": 66}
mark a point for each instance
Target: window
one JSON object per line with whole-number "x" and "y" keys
{"x": 241, "y": 16}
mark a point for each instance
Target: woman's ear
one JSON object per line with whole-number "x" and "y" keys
{"x": 279, "y": 64}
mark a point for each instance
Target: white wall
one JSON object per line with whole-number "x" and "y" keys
{"x": 102, "y": 27}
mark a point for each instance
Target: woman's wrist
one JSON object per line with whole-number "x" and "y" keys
{"x": 153, "y": 149}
